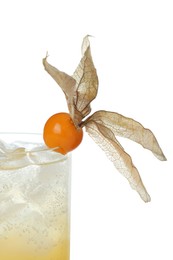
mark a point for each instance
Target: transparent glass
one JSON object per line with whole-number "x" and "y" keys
{"x": 34, "y": 200}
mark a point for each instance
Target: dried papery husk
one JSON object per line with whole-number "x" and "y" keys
{"x": 80, "y": 90}
{"x": 104, "y": 126}
{"x": 128, "y": 128}
{"x": 107, "y": 141}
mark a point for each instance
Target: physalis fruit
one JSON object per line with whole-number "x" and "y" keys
{"x": 60, "y": 132}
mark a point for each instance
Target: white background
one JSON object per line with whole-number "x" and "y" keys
{"x": 132, "y": 50}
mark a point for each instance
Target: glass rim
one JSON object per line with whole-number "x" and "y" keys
{"x": 27, "y": 151}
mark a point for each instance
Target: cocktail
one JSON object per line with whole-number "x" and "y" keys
{"x": 34, "y": 199}
{"x": 35, "y": 177}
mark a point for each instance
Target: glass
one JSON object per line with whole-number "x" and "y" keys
{"x": 34, "y": 200}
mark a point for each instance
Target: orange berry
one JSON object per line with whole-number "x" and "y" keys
{"x": 60, "y": 131}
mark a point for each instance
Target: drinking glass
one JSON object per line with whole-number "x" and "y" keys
{"x": 34, "y": 199}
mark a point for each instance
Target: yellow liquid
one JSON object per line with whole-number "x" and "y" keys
{"x": 16, "y": 249}
{"x": 30, "y": 246}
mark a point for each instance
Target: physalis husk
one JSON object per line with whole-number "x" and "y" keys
{"x": 103, "y": 126}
